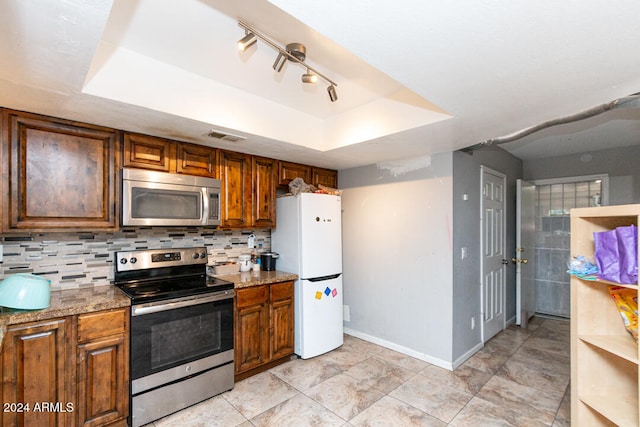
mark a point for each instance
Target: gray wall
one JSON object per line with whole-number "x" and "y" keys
{"x": 405, "y": 284}
{"x": 397, "y": 255}
{"x": 620, "y": 163}
{"x": 466, "y": 233}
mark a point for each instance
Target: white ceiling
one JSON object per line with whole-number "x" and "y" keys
{"x": 414, "y": 78}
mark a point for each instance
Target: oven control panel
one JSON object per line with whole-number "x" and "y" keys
{"x": 155, "y": 258}
{"x": 167, "y": 256}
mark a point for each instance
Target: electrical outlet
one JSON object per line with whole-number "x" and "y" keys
{"x": 251, "y": 241}
{"x": 473, "y": 322}
{"x": 463, "y": 252}
{"x": 1, "y": 253}
{"x": 346, "y": 314}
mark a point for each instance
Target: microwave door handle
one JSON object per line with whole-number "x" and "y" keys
{"x": 205, "y": 206}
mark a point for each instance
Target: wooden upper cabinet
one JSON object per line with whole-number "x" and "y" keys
{"x": 288, "y": 171}
{"x": 326, "y": 177}
{"x": 164, "y": 155}
{"x": 236, "y": 180}
{"x": 62, "y": 174}
{"x": 264, "y": 192}
{"x": 196, "y": 160}
{"x": 148, "y": 152}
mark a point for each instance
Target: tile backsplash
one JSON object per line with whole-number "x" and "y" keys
{"x": 73, "y": 260}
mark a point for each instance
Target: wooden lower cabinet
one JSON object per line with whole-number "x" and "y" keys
{"x": 70, "y": 371}
{"x": 263, "y": 327}
{"x": 36, "y": 371}
{"x": 102, "y": 368}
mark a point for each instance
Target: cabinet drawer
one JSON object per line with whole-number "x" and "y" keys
{"x": 101, "y": 324}
{"x": 251, "y": 296}
{"x": 280, "y": 291}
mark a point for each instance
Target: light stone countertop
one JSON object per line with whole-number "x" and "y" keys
{"x": 256, "y": 278}
{"x": 67, "y": 303}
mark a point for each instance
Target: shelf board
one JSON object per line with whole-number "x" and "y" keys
{"x": 620, "y": 410}
{"x": 606, "y": 282}
{"x": 621, "y": 346}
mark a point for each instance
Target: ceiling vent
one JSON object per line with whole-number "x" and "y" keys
{"x": 225, "y": 136}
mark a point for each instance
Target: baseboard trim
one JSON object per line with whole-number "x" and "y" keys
{"x": 400, "y": 349}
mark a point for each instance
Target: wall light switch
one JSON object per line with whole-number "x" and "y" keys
{"x": 463, "y": 252}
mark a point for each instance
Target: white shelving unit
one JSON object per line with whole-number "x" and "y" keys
{"x": 604, "y": 356}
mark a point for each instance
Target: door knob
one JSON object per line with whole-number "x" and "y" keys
{"x": 505, "y": 261}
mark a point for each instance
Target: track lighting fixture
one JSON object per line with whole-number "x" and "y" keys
{"x": 309, "y": 77}
{"x": 333, "y": 96}
{"x": 294, "y": 52}
{"x": 247, "y": 41}
{"x": 280, "y": 61}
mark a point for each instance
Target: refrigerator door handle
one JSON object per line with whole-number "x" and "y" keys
{"x": 323, "y": 278}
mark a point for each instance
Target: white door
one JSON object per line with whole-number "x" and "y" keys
{"x": 493, "y": 264}
{"x": 525, "y": 256}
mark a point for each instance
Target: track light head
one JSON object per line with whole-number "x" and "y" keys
{"x": 247, "y": 41}
{"x": 309, "y": 77}
{"x": 333, "y": 95}
{"x": 280, "y": 61}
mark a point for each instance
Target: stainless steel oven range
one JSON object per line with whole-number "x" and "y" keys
{"x": 181, "y": 330}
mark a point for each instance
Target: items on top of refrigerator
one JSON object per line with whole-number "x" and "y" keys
{"x": 297, "y": 186}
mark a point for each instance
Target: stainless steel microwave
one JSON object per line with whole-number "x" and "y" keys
{"x": 167, "y": 199}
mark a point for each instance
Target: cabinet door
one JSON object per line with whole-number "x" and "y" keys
{"x": 37, "y": 366}
{"x": 281, "y": 296}
{"x": 235, "y": 176}
{"x": 62, "y": 174}
{"x": 264, "y": 192}
{"x": 103, "y": 384}
{"x": 326, "y": 177}
{"x": 196, "y": 160}
{"x": 251, "y": 328}
{"x": 288, "y": 171}
{"x": 148, "y": 152}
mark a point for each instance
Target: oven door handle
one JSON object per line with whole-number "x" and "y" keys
{"x": 164, "y": 306}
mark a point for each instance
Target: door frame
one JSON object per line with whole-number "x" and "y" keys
{"x": 525, "y": 241}
{"x": 484, "y": 169}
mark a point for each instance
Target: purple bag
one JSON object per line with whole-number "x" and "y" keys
{"x": 616, "y": 254}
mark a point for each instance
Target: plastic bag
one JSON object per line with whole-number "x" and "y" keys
{"x": 582, "y": 267}
{"x": 627, "y": 303}
{"x": 616, "y": 254}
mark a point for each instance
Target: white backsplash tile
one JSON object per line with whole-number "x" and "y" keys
{"x": 73, "y": 260}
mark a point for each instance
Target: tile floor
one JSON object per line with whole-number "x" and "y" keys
{"x": 520, "y": 378}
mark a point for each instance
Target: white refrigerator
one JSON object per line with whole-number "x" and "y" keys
{"x": 308, "y": 238}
